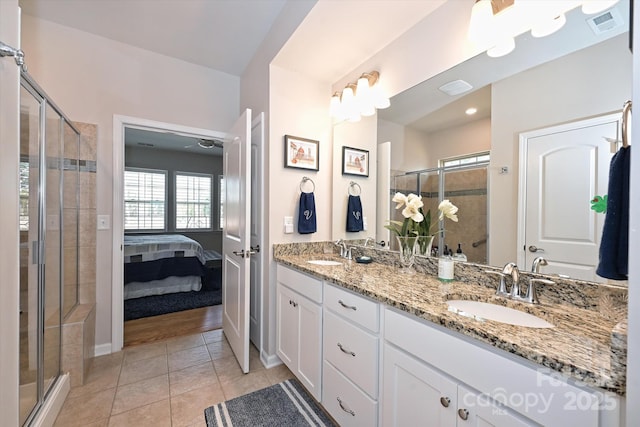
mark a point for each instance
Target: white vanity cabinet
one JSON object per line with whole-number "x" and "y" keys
{"x": 435, "y": 377}
{"x": 351, "y": 347}
{"x": 299, "y": 326}
{"x": 415, "y": 393}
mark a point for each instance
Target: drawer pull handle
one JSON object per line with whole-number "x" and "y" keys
{"x": 346, "y": 351}
{"x": 347, "y": 410}
{"x": 350, "y": 307}
{"x": 445, "y": 401}
{"x": 463, "y": 414}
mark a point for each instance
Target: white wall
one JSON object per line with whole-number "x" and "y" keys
{"x": 9, "y": 225}
{"x": 361, "y": 136}
{"x": 473, "y": 137}
{"x": 92, "y": 78}
{"x": 582, "y": 87}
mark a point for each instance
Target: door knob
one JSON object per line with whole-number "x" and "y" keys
{"x": 253, "y": 250}
{"x": 240, "y": 253}
{"x": 445, "y": 401}
{"x": 535, "y": 249}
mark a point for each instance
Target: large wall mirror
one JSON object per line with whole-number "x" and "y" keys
{"x": 545, "y": 85}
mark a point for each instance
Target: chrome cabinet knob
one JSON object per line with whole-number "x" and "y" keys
{"x": 445, "y": 401}
{"x": 463, "y": 414}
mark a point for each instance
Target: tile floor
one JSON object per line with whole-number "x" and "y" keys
{"x": 167, "y": 383}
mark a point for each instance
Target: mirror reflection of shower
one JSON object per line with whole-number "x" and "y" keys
{"x": 462, "y": 181}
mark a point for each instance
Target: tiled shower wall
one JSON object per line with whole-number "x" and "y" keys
{"x": 78, "y": 339}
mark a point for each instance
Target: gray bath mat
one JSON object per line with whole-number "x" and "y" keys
{"x": 284, "y": 404}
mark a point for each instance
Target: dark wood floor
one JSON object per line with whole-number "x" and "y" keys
{"x": 157, "y": 328}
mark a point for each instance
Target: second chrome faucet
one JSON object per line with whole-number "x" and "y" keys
{"x": 515, "y": 293}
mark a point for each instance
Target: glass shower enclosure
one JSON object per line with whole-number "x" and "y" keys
{"x": 466, "y": 187}
{"x": 49, "y": 145}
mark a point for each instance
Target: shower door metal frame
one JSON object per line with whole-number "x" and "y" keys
{"x": 38, "y": 255}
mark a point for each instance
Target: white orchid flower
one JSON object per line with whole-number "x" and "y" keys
{"x": 415, "y": 201}
{"x": 400, "y": 199}
{"x": 448, "y": 209}
{"x": 411, "y": 211}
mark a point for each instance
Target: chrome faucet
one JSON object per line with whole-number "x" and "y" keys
{"x": 344, "y": 252}
{"x": 512, "y": 269}
{"x": 368, "y": 239}
{"x": 535, "y": 267}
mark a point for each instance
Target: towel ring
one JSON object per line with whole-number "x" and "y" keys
{"x": 304, "y": 180}
{"x": 626, "y": 120}
{"x": 352, "y": 186}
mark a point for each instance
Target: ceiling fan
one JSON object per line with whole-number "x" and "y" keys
{"x": 206, "y": 143}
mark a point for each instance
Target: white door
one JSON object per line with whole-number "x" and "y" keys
{"x": 235, "y": 239}
{"x": 561, "y": 169}
{"x": 257, "y": 191}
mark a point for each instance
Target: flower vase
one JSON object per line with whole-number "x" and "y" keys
{"x": 423, "y": 245}
{"x": 407, "y": 251}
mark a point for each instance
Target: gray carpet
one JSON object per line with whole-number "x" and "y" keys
{"x": 285, "y": 404}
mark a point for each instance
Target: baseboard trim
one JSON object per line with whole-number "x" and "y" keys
{"x": 102, "y": 349}
{"x": 269, "y": 361}
{"x": 51, "y": 407}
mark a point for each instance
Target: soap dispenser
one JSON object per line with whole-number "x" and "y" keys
{"x": 445, "y": 266}
{"x": 459, "y": 256}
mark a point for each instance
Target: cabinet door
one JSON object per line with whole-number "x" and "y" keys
{"x": 287, "y": 327}
{"x": 479, "y": 410}
{"x": 310, "y": 345}
{"x": 414, "y": 394}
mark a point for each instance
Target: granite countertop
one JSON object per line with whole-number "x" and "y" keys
{"x": 584, "y": 344}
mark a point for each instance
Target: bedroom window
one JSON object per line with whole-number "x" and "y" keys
{"x": 144, "y": 199}
{"x": 193, "y": 201}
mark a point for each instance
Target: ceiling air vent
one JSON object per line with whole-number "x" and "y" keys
{"x": 455, "y": 87}
{"x": 605, "y": 21}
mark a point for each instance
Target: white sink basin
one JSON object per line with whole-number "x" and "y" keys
{"x": 323, "y": 262}
{"x": 485, "y": 311}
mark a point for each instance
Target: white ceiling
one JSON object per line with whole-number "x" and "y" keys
{"x": 334, "y": 38}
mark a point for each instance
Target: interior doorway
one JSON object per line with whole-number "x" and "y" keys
{"x": 185, "y": 139}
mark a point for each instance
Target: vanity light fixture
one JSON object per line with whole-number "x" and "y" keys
{"x": 494, "y": 24}
{"x": 359, "y": 99}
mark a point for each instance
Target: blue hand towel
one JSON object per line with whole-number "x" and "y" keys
{"x": 307, "y": 214}
{"x": 614, "y": 245}
{"x": 354, "y": 214}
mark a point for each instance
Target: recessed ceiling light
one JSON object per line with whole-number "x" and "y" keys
{"x": 471, "y": 111}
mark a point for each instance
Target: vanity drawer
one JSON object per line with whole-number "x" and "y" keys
{"x": 353, "y": 307}
{"x": 347, "y": 404}
{"x": 353, "y": 351}
{"x": 305, "y": 285}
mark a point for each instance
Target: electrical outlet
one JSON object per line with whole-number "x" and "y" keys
{"x": 288, "y": 225}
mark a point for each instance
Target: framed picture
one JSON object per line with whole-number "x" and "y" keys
{"x": 355, "y": 161}
{"x": 301, "y": 153}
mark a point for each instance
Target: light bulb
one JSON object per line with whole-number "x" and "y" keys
{"x": 380, "y": 101}
{"x": 548, "y": 26}
{"x": 589, "y": 7}
{"x": 349, "y": 105}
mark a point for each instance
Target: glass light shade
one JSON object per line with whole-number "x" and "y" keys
{"x": 349, "y": 105}
{"x": 481, "y": 23}
{"x": 380, "y": 101}
{"x": 335, "y": 107}
{"x": 363, "y": 97}
{"x": 548, "y": 26}
{"x": 589, "y": 7}
{"x": 504, "y": 47}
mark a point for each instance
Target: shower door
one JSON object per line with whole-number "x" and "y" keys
{"x": 40, "y": 249}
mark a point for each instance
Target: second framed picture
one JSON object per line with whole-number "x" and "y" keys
{"x": 355, "y": 161}
{"x": 301, "y": 153}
